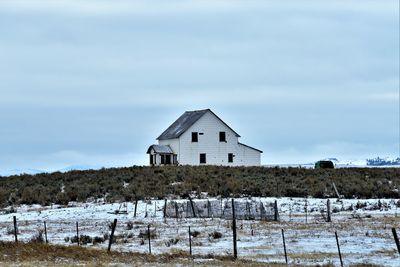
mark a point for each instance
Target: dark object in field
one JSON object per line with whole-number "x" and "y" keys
{"x": 215, "y": 235}
{"x": 123, "y": 209}
{"x": 324, "y": 164}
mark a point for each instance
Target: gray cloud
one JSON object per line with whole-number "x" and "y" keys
{"x": 296, "y": 79}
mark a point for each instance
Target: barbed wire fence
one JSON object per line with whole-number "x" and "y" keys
{"x": 197, "y": 214}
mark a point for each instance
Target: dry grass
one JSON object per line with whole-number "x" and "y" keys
{"x": 313, "y": 256}
{"x": 364, "y": 265}
{"x": 34, "y": 254}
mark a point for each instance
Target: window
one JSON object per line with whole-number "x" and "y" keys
{"x": 202, "y": 158}
{"x": 195, "y": 137}
{"x": 151, "y": 160}
{"x": 222, "y": 136}
{"x": 162, "y": 159}
{"x": 230, "y": 157}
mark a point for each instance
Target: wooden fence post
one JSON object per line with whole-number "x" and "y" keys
{"x": 114, "y": 225}
{"x": 328, "y": 208}
{"x": 338, "y": 246}
{"x": 15, "y": 229}
{"x": 284, "y": 246}
{"x": 45, "y": 232}
{"x": 306, "y": 210}
{"x": 176, "y": 211}
{"x": 136, "y": 202}
{"x": 234, "y": 230}
{"x": 337, "y": 192}
{"x": 222, "y": 209}
{"x": 77, "y": 233}
{"x": 276, "y": 214}
{"x": 208, "y": 208}
{"x": 247, "y": 217}
{"x": 190, "y": 242}
{"x": 262, "y": 211}
{"x": 192, "y": 205}
{"x": 396, "y": 239}
{"x": 165, "y": 208}
{"x": 148, "y": 235}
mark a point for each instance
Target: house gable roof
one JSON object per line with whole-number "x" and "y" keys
{"x": 184, "y": 122}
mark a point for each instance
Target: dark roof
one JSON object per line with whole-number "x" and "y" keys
{"x": 250, "y": 147}
{"x": 160, "y": 149}
{"x": 183, "y": 123}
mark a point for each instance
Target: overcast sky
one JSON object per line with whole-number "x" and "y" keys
{"x": 95, "y": 82}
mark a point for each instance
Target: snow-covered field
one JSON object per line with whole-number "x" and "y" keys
{"x": 363, "y": 226}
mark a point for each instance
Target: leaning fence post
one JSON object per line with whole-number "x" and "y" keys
{"x": 276, "y": 214}
{"x": 328, "y": 208}
{"x": 114, "y": 225}
{"x": 284, "y": 246}
{"x": 234, "y": 229}
{"x": 77, "y": 233}
{"x": 45, "y": 232}
{"x": 396, "y": 239}
{"x": 148, "y": 236}
{"x": 15, "y": 229}
{"x": 136, "y": 202}
{"x": 338, "y": 246}
{"x": 190, "y": 242}
{"x": 192, "y": 205}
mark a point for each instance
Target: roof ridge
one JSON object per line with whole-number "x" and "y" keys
{"x": 185, "y": 121}
{"x": 198, "y": 110}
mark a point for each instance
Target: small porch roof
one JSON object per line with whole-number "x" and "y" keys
{"x": 160, "y": 149}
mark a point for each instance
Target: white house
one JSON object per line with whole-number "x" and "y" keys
{"x": 201, "y": 138}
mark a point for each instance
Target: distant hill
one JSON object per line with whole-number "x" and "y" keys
{"x": 369, "y": 163}
{"x": 38, "y": 171}
{"x": 21, "y": 171}
{"x": 383, "y": 162}
{"x": 356, "y": 163}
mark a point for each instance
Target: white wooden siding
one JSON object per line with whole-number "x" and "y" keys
{"x": 208, "y": 143}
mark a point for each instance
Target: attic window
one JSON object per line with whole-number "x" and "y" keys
{"x": 222, "y": 136}
{"x": 195, "y": 137}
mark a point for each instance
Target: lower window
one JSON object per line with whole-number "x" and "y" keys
{"x": 203, "y": 158}
{"x": 230, "y": 157}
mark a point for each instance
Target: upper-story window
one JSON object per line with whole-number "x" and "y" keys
{"x": 222, "y": 136}
{"x": 195, "y": 137}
